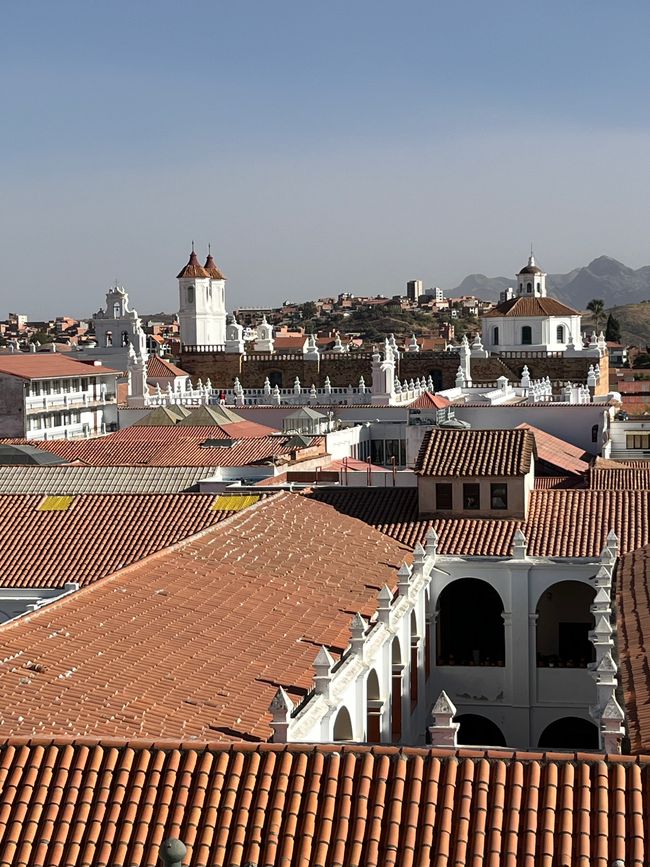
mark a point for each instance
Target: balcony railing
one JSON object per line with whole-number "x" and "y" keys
{"x": 70, "y": 399}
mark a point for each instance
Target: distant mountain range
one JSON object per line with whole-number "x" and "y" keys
{"x": 604, "y": 278}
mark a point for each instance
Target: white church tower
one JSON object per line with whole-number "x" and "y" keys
{"x": 531, "y": 280}
{"x": 202, "y": 308}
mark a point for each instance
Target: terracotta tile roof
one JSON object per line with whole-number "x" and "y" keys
{"x": 619, "y": 478}
{"x": 212, "y": 269}
{"x": 177, "y": 446}
{"x": 559, "y": 482}
{"x": 561, "y": 523}
{"x": 96, "y": 535}
{"x": 190, "y": 642}
{"x": 48, "y": 365}
{"x": 475, "y": 452}
{"x": 160, "y": 368}
{"x": 193, "y": 268}
{"x": 70, "y": 479}
{"x": 525, "y": 306}
{"x": 633, "y": 640}
{"x": 430, "y": 401}
{"x": 107, "y": 802}
{"x": 557, "y": 453}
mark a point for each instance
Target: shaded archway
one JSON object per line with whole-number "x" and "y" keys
{"x": 478, "y": 731}
{"x": 436, "y": 378}
{"x": 526, "y": 335}
{"x": 563, "y": 623}
{"x": 396, "y": 690}
{"x": 570, "y": 733}
{"x": 470, "y": 626}
{"x": 343, "y": 725}
{"x": 275, "y": 378}
{"x": 373, "y": 708}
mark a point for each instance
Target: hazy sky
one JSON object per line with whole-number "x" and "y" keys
{"x": 320, "y": 146}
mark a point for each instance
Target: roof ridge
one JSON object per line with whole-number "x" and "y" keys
{"x": 391, "y": 750}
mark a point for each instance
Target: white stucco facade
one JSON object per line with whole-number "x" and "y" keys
{"x": 390, "y": 676}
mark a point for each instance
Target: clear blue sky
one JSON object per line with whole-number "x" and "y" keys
{"x": 320, "y": 146}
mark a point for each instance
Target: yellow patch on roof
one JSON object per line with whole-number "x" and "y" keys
{"x": 234, "y": 502}
{"x": 55, "y": 504}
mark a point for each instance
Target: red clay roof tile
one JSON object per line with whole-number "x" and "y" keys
{"x": 108, "y": 801}
{"x": 560, "y": 523}
{"x": 95, "y": 536}
{"x": 475, "y": 452}
{"x": 191, "y": 642}
{"x": 49, "y": 365}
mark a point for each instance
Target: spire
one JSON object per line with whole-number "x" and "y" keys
{"x": 211, "y": 266}
{"x": 193, "y": 267}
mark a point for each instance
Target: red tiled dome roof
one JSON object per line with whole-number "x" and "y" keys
{"x": 211, "y": 267}
{"x": 193, "y": 268}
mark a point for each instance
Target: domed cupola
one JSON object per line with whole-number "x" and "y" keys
{"x": 531, "y": 280}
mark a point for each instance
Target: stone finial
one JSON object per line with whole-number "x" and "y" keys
{"x": 172, "y": 852}
{"x": 323, "y": 665}
{"x": 413, "y": 345}
{"x": 328, "y": 385}
{"x": 419, "y": 555}
{"x": 612, "y": 730}
{"x": 444, "y": 731}
{"x": 281, "y": 708}
{"x": 362, "y": 385}
{"x": 431, "y": 541}
{"x": 267, "y": 386}
{"x": 519, "y": 546}
{"x": 612, "y": 541}
{"x": 281, "y": 705}
{"x": 358, "y": 634}
{"x": 403, "y": 579}
{"x": 525, "y": 377}
{"x": 460, "y": 377}
{"x": 384, "y": 603}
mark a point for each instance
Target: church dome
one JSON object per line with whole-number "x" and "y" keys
{"x": 531, "y": 267}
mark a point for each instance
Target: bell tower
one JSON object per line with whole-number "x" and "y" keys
{"x": 531, "y": 280}
{"x": 202, "y": 303}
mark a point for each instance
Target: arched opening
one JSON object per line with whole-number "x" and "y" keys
{"x": 470, "y": 625}
{"x": 478, "y": 731}
{"x": 108, "y": 338}
{"x": 124, "y": 339}
{"x": 414, "y": 668}
{"x": 495, "y": 335}
{"x": 570, "y": 733}
{"x": 526, "y": 335}
{"x": 275, "y": 378}
{"x": 529, "y": 287}
{"x": 560, "y": 333}
{"x": 396, "y": 691}
{"x": 117, "y": 310}
{"x": 373, "y": 708}
{"x": 563, "y": 624}
{"x": 343, "y": 725}
{"x": 190, "y": 294}
{"x": 436, "y": 378}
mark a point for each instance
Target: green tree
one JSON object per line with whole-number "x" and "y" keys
{"x": 613, "y": 329}
{"x": 597, "y": 309}
{"x": 41, "y": 337}
{"x": 309, "y": 310}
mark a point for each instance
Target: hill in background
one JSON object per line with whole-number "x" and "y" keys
{"x": 604, "y": 278}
